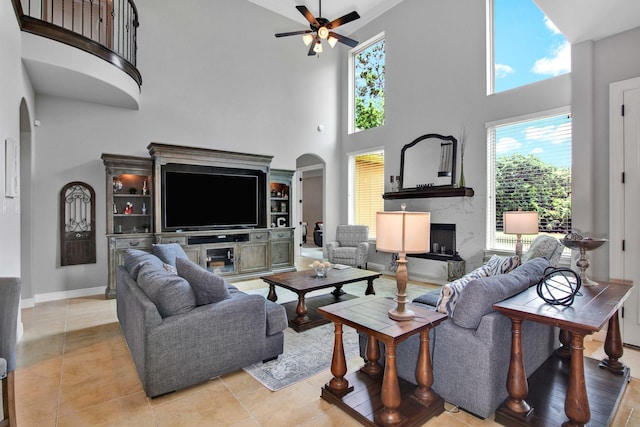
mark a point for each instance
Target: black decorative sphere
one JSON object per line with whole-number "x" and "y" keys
{"x": 559, "y": 286}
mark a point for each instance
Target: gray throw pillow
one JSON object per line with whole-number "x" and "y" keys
{"x": 168, "y": 252}
{"x": 545, "y": 246}
{"x": 135, "y": 258}
{"x": 207, "y": 287}
{"x": 170, "y": 293}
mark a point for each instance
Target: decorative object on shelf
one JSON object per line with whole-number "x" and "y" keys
{"x": 321, "y": 268}
{"x": 145, "y": 190}
{"x": 128, "y": 208}
{"x": 520, "y": 222}
{"x": 395, "y": 183}
{"x": 144, "y": 208}
{"x": 115, "y": 208}
{"x": 117, "y": 185}
{"x": 133, "y": 190}
{"x": 584, "y": 244}
{"x": 282, "y": 222}
{"x": 283, "y": 207}
{"x": 461, "y": 181}
{"x": 402, "y": 232}
{"x": 118, "y": 229}
{"x": 559, "y": 286}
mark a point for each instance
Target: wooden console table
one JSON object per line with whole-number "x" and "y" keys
{"x": 387, "y": 401}
{"x": 589, "y": 312}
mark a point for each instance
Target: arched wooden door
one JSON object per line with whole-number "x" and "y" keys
{"x": 77, "y": 224}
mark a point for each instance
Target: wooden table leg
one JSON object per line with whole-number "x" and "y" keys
{"x": 338, "y": 385}
{"x": 517, "y": 385}
{"x": 272, "y": 293}
{"x": 301, "y": 311}
{"x": 338, "y": 291}
{"x": 613, "y": 347}
{"x": 565, "y": 339}
{"x": 372, "y": 367}
{"x": 424, "y": 372}
{"x": 576, "y": 404}
{"x": 390, "y": 395}
{"x": 370, "y": 290}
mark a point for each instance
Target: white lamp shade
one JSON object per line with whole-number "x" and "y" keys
{"x": 520, "y": 222}
{"x": 406, "y": 232}
{"x": 307, "y": 39}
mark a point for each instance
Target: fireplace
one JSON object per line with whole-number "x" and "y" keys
{"x": 443, "y": 243}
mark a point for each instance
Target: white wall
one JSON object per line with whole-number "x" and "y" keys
{"x": 14, "y": 87}
{"x": 214, "y": 76}
{"x": 435, "y": 83}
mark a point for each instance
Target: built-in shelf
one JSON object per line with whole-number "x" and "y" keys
{"x": 430, "y": 192}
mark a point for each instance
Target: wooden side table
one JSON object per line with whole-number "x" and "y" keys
{"x": 368, "y": 396}
{"x": 589, "y": 312}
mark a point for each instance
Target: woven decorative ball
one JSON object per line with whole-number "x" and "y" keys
{"x": 559, "y": 286}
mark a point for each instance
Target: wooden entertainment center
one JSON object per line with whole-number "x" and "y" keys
{"x": 136, "y": 216}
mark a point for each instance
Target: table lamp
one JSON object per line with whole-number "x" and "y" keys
{"x": 403, "y": 233}
{"x": 520, "y": 222}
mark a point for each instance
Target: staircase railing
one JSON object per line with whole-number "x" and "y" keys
{"x": 106, "y": 28}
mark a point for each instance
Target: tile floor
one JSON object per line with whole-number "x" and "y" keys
{"x": 74, "y": 369}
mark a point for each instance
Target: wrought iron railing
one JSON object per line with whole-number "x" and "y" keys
{"x": 106, "y": 28}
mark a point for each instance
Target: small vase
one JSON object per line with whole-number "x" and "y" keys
{"x": 461, "y": 181}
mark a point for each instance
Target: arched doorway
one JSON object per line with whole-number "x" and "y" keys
{"x": 310, "y": 171}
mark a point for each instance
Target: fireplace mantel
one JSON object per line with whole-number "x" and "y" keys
{"x": 429, "y": 192}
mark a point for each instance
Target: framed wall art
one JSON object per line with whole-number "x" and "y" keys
{"x": 11, "y": 167}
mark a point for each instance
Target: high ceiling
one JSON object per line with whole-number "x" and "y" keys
{"x": 579, "y": 20}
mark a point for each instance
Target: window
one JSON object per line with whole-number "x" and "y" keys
{"x": 366, "y": 85}
{"x": 366, "y": 186}
{"x": 523, "y": 45}
{"x": 529, "y": 168}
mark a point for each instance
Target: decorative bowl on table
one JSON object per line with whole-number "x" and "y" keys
{"x": 321, "y": 268}
{"x": 583, "y": 244}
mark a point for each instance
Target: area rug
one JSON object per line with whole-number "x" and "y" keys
{"x": 305, "y": 354}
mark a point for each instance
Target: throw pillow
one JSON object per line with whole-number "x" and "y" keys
{"x": 450, "y": 292}
{"x": 135, "y": 258}
{"x": 168, "y": 252}
{"x": 207, "y": 287}
{"x": 502, "y": 264}
{"x": 544, "y": 247}
{"x": 170, "y": 293}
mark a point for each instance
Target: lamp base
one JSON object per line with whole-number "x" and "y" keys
{"x": 401, "y": 315}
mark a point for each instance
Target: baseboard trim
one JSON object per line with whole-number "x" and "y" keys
{"x": 56, "y": 296}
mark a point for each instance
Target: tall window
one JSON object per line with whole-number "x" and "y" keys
{"x": 529, "y": 168}
{"x": 524, "y": 46}
{"x": 366, "y": 186}
{"x": 366, "y": 84}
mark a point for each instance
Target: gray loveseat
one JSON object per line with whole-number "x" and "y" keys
{"x": 471, "y": 350}
{"x": 185, "y": 328}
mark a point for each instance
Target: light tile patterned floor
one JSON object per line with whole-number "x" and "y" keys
{"x": 74, "y": 369}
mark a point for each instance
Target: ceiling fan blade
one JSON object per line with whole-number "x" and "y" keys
{"x": 343, "y": 20}
{"x": 343, "y": 39}
{"x": 308, "y": 15}
{"x": 293, "y": 33}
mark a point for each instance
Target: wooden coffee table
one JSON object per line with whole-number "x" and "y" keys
{"x": 305, "y": 281}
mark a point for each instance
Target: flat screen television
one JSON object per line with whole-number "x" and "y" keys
{"x": 196, "y": 198}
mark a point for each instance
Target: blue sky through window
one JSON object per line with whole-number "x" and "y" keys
{"x": 527, "y": 45}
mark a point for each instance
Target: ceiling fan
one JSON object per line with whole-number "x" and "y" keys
{"x": 321, "y": 28}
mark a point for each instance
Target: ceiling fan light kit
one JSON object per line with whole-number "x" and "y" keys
{"x": 321, "y": 29}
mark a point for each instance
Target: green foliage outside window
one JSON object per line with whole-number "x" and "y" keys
{"x": 369, "y": 86}
{"x": 525, "y": 181}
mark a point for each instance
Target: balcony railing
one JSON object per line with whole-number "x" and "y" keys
{"x": 105, "y": 28}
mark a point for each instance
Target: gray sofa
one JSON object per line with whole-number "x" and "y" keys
{"x": 185, "y": 328}
{"x": 471, "y": 350}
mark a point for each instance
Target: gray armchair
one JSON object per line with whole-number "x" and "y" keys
{"x": 9, "y": 302}
{"x": 351, "y": 246}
